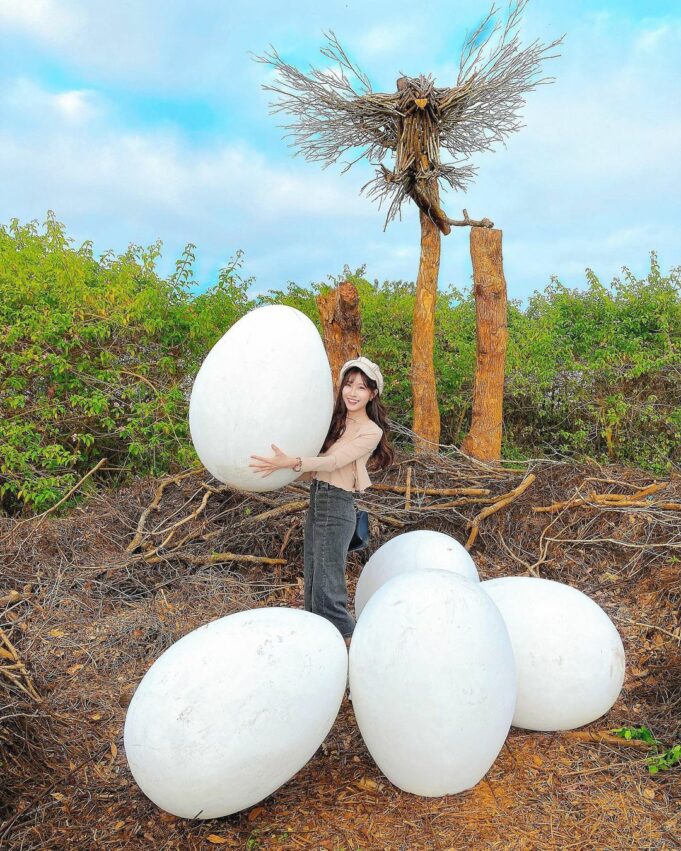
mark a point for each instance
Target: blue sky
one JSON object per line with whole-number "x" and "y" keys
{"x": 136, "y": 121}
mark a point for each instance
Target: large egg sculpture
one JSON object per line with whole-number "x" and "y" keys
{"x": 267, "y": 380}
{"x": 432, "y": 678}
{"x": 569, "y": 655}
{"x": 412, "y": 551}
{"x": 234, "y": 709}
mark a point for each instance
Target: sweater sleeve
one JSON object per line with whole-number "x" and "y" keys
{"x": 363, "y": 444}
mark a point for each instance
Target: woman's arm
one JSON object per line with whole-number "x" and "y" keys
{"x": 363, "y": 444}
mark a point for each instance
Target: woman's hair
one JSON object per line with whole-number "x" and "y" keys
{"x": 384, "y": 455}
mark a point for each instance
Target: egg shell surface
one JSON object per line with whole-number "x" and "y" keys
{"x": 234, "y": 709}
{"x": 267, "y": 380}
{"x": 422, "y": 549}
{"x": 433, "y": 682}
{"x": 569, "y": 655}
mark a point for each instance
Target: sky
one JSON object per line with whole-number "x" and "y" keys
{"x": 146, "y": 119}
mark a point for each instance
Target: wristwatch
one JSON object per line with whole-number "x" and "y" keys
{"x": 298, "y": 464}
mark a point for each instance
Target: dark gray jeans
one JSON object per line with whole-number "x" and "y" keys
{"x": 329, "y": 527}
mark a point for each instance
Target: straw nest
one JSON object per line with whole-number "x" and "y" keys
{"x": 88, "y": 601}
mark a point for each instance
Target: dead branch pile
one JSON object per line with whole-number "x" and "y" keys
{"x": 88, "y": 601}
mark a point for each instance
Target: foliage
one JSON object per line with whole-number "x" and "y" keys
{"x": 657, "y": 762}
{"x": 639, "y": 734}
{"x": 665, "y": 761}
{"x": 99, "y": 355}
{"x": 97, "y": 358}
{"x": 596, "y": 371}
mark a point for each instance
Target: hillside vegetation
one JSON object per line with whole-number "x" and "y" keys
{"x": 99, "y": 353}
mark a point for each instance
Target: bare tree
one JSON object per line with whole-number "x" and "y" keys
{"x": 335, "y": 111}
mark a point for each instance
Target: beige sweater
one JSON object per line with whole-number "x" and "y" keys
{"x": 336, "y": 465}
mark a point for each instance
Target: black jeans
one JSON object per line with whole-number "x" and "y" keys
{"x": 329, "y": 527}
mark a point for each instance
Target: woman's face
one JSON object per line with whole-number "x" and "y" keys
{"x": 356, "y": 393}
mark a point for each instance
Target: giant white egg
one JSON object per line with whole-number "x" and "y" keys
{"x": 267, "y": 380}
{"x": 569, "y": 655}
{"x": 432, "y": 678}
{"x": 412, "y": 551}
{"x": 234, "y": 709}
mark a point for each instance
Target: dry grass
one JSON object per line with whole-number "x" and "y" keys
{"x": 87, "y": 618}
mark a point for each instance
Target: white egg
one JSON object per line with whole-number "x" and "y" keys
{"x": 234, "y": 709}
{"x": 569, "y": 655}
{"x": 432, "y": 678}
{"x": 267, "y": 380}
{"x": 412, "y": 551}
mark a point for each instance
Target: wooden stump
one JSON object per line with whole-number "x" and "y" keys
{"x": 484, "y": 438}
{"x": 341, "y": 326}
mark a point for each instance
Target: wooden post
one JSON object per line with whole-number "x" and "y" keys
{"x": 341, "y": 326}
{"x": 484, "y": 438}
{"x": 426, "y": 424}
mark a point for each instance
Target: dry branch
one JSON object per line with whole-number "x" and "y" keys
{"x": 287, "y": 508}
{"x": 505, "y": 500}
{"x": 153, "y": 505}
{"x": 212, "y": 558}
{"x": 407, "y": 490}
{"x": 423, "y": 491}
{"x": 605, "y": 738}
{"x": 22, "y": 680}
{"x": 334, "y": 112}
{"x": 619, "y": 500}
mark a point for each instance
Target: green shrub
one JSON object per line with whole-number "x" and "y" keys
{"x": 99, "y": 354}
{"x": 97, "y": 358}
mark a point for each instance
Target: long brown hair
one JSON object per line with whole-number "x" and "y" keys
{"x": 384, "y": 455}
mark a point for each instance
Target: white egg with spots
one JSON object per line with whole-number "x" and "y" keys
{"x": 422, "y": 549}
{"x": 569, "y": 655}
{"x": 234, "y": 709}
{"x": 266, "y": 381}
{"x": 433, "y": 681}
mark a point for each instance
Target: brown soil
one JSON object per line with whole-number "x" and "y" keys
{"x": 87, "y": 619}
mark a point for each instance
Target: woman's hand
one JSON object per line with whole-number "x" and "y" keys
{"x": 279, "y": 461}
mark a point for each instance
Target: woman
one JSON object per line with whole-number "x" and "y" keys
{"x": 358, "y": 432}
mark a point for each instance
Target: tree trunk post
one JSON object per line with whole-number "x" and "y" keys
{"x": 484, "y": 438}
{"x": 426, "y": 424}
{"x": 341, "y": 326}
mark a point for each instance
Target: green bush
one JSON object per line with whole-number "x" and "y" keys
{"x": 97, "y": 358}
{"x": 596, "y": 371}
{"x": 99, "y": 354}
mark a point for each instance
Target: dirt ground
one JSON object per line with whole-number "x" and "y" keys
{"x": 89, "y": 600}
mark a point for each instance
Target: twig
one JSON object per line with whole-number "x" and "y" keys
{"x": 605, "y": 738}
{"x": 153, "y": 505}
{"x": 417, "y": 491}
{"x": 30, "y": 688}
{"x": 212, "y": 558}
{"x": 40, "y": 517}
{"x": 466, "y": 221}
{"x": 73, "y": 490}
{"x": 620, "y": 500}
{"x": 286, "y": 508}
{"x": 675, "y": 635}
{"x": 502, "y": 502}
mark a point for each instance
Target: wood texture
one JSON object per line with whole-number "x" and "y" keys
{"x": 426, "y": 424}
{"x": 484, "y": 438}
{"x": 341, "y": 326}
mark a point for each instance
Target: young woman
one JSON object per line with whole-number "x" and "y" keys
{"x": 358, "y": 432}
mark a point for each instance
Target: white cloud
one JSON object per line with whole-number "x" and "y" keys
{"x": 594, "y": 179}
{"x": 386, "y": 38}
{"x": 103, "y": 179}
{"x": 650, "y": 39}
{"x": 24, "y": 101}
{"x": 46, "y": 20}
